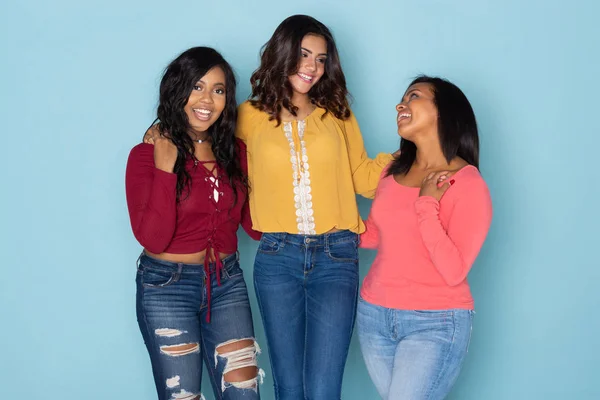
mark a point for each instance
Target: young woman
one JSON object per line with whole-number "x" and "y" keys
{"x": 306, "y": 162}
{"x": 430, "y": 217}
{"x": 187, "y": 196}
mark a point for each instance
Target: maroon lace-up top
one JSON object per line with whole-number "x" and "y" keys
{"x": 204, "y": 219}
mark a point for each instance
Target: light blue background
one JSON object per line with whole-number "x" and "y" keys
{"x": 79, "y": 86}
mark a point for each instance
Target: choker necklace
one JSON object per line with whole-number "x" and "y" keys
{"x": 200, "y": 140}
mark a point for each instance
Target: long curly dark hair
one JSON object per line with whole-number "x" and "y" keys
{"x": 271, "y": 89}
{"x": 457, "y": 127}
{"x": 175, "y": 88}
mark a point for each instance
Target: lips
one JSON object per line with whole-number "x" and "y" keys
{"x": 202, "y": 114}
{"x": 305, "y": 78}
{"x": 404, "y": 116}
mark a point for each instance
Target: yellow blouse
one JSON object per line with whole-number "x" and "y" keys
{"x": 303, "y": 175}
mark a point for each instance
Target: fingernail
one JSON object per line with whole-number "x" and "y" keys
{"x": 452, "y": 181}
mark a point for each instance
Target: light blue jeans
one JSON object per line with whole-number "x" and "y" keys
{"x": 411, "y": 354}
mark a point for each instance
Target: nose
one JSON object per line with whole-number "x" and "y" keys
{"x": 310, "y": 64}
{"x": 206, "y": 96}
{"x": 400, "y": 107}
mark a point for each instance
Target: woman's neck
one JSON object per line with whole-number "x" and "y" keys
{"x": 199, "y": 137}
{"x": 301, "y": 100}
{"x": 305, "y": 107}
{"x": 430, "y": 155}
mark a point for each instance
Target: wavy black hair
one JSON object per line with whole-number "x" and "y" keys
{"x": 271, "y": 89}
{"x": 457, "y": 127}
{"x": 175, "y": 88}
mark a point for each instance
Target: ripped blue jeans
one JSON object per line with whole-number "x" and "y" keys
{"x": 171, "y": 313}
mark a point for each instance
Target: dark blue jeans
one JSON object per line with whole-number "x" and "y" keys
{"x": 307, "y": 291}
{"x": 171, "y": 311}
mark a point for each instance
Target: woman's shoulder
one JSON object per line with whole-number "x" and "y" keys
{"x": 249, "y": 110}
{"x": 469, "y": 180}
{"x": 240, "y": 146}
{"x": 330, "y": 119}
{"x": 341, "y": 119}
{"x": 469, "y": 173}
{"x": 249, "y": 116}
{"x": 142, "y": 151}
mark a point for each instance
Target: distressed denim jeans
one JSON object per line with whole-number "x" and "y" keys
{"x": 171, "y": 312}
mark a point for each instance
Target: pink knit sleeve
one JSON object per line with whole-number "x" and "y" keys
{"x": 453, "y": 251}
{"x": 369, "y": 239}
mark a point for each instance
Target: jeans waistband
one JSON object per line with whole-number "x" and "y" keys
{"x": 228, "y": 262}
{"x": 326, "y": 239}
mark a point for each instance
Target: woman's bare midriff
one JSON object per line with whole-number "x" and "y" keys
{"x": 192, "y": 258}
{"x": 198, "y": 258}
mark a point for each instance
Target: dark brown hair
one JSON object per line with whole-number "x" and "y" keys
{"x": 271, "y": 89}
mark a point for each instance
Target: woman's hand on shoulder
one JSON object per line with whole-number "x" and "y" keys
{"x": 165, "y": 152}
{"x": 151, "y": 134}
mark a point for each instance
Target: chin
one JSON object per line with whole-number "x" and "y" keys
{"x": 201, "y": 128}
{"x": 302, "y": 87}
{"x": 301, "y": 91}
{"x": 404, "y": 136}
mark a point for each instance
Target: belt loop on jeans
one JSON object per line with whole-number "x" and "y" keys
{"x": 137, "y": 262}
{"x": 179, "y": 271}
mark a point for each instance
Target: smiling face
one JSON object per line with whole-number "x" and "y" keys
{"x": 206, "y": 102}
{"x": 311, "y": 65}
{"x": 417, "y": 113}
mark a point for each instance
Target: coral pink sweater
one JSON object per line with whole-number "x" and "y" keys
{"x": 425, "y": 247}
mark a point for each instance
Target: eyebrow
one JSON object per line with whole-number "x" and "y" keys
{"x": 308, "y": 51}
{"x": 204, "y": 83}
{"x": 411, "y": 91}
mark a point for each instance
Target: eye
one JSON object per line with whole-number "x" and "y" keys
{"x": 220, "y": 91}
{"x": 304, "y": 54}
{"x": 321, "y": 60}
{"x": 413, "y": 96}
{"x": 197, "y": 87}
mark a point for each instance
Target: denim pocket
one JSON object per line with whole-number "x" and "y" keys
{"x": 346, "y": 251}
{"x": 233, "y": 271}
{"x": 434, "y": 313}
{"x": 435, "y": 319}
{"x": 471, "y": 315}
{"x": 156, "y": 278}
{"x": 268, "y": 245}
